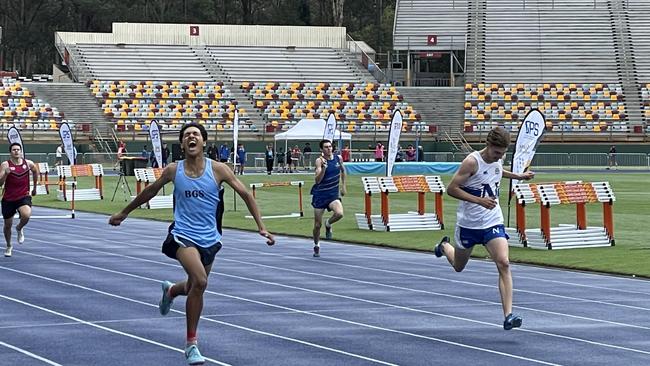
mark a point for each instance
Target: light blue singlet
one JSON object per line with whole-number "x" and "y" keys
{"x": 196, "y": 201}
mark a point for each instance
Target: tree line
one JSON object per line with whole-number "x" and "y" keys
{"x": 28, "y": 26}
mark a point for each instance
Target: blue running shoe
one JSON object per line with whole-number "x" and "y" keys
{"x": 328, "y": 232}
{"x": 437, "y": 250}
{"x": 193, "y": 356}
{"x": 512, "y": 321}
{"x": 166, "y": 301}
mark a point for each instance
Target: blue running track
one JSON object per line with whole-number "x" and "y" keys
{"x": 80, "y": 292}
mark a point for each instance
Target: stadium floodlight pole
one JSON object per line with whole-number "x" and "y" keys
{"x": 531, "y": 132}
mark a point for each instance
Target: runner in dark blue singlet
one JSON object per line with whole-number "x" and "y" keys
{"x": 327, "y": 192}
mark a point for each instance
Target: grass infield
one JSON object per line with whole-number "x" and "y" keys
{"x": 630, "y": 256}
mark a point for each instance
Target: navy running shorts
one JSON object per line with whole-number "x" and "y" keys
{"x": 323, "y": 203}
{"x": 467, "y": 238}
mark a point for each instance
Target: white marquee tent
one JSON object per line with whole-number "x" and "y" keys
{"x": 309, "y": 129}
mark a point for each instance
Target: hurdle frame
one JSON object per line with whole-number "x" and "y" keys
{"x": 146, "y": 176}
{"x": 298, "y": 183}
{"x": 412, "y": 220}
{"x": 43, "y": 179}
{"x": 578, "y": 235}
{"x": 75, "y": 171}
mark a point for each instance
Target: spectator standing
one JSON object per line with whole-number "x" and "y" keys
{"x": 224, "y": 153}
{"x": 269, "y": 157}
{"x": 399, "y": 156}
{"x": 241, "y": 159}
{"x": 379, "y": 152}
{"x": 346, "y": 153}
{"x": 295, "y": 157}
{"x": 152, "y": 159}
{"x": 59, "y": 155}
{"x": 611, "y": 158}
{"x": 121, "y": 149}
{"x": 279, "y": 159}
{"x": 212, "y": 151}
{"x": 410, "y": 153}
{"x": 145, "y": 152}
{"x": 288, "y": 159}
{"x": 165, "y": 155}
{"x": 306, "y": 154}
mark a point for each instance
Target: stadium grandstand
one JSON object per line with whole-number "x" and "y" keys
{"x": 481, "y": 63}
{"x": 274, "y": 76}
{"x": 581, "y": 62}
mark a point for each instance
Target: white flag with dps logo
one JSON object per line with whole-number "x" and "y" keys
{"x": 330, "y": 128}
{"x": 393, "y": 141}
{"x": 14, "y": 138}
{"x": 531, "y": 132}
{"x": 68, "y": 143}
{"x": 156, "y": 141}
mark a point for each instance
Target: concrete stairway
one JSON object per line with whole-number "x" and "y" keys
{"x": 75, "y": 101}
{"x": 475, "y": 71}
{"x": 440, "y": 106}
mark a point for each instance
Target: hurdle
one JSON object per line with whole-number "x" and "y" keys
{"x": 299, "y": 184}
{"x": 76, "y": 194}
{"x": 564, "y": 236}
{"x": 43, "y": 179}
{"x": 410, "y": 221}
{"x": 146, "y": 176}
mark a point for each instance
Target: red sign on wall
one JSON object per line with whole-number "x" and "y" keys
{"x": 194, "y": 30}
{"x": 432, "y": 40}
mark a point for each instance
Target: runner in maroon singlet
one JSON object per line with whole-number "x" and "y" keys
{"x": 14, "y": 174}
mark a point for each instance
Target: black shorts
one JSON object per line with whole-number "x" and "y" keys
{"x": 172, "y": 243}
{"x": 9, "y": 208}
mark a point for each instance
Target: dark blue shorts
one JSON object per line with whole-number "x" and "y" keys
{"x": 467, "y": 238}
{"x": 322, "y": 203}
{"x": 172, "y": 243}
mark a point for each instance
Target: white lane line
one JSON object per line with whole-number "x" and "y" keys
{"x": 378, "y": 284}
{"x": 27, "y": 353}
{"x": 271, "y": 305}
{"x": 176, "y": 311}
{"x": 111, "y": 330}
{"x": 182, "y": 317}
{"x": 432, "y": 263}
{"x": 383, "y": 250}
{"x": 64, "y": 324}
{"x": 348, "y": 297}
{"x": 576, "y": 299}
{"x": 467, "y": 283}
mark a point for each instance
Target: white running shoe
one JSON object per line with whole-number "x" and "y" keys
{"x": 21, "y": 235}
{"x": 8, "y": 251}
